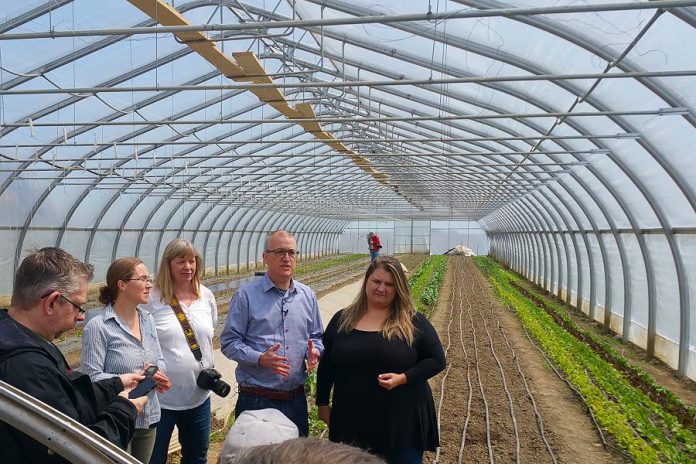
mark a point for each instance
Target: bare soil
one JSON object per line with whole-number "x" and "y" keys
{"x": 498, "y": 399}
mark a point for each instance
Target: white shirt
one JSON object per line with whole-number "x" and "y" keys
{"x": 182, "y": 367}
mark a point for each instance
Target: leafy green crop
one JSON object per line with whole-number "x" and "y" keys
{"x": 642, "y": 427}
{"x": 315, "y": 266}
{"x": 425, "y": 283}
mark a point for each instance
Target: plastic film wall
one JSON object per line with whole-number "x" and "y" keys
{"x": 564, "y": 130}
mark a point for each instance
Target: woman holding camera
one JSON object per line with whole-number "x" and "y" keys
{"x": 179, "y": 303}
{"x": 123, "y": 339}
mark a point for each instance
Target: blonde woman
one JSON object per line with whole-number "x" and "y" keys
{"x": 379, "y": 354}
{"x": 186, "y": 405}
{"x": 123, "y": 339}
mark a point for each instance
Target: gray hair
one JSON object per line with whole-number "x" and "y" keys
{"x": 267, "y": 242}
{"x": 45, "y": 270}
{"x": 304, "y": 451}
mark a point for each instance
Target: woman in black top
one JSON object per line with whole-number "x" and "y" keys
{"x": 379, "y": 354}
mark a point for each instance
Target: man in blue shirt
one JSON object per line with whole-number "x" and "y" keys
{"x": 273, "y": 331}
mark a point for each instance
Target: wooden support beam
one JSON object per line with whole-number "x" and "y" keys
{"x": 246, "y": 67}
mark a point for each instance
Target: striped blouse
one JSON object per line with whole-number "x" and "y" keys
{"x": 109, "y": 348}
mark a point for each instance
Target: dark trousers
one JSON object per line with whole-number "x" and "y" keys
{"x": 194, "y": 434}
{"x": 295, "y": 409}
{"x": 404, "y": 456}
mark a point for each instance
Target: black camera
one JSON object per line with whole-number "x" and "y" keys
{"x": 210, "y": 379}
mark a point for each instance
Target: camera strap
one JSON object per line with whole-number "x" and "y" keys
{"x": 188, "y": 330}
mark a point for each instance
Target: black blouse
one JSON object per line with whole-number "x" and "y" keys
{"x": 367, "y": 415}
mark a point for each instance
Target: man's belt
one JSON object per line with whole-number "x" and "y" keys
{"x": 273, "y": 394}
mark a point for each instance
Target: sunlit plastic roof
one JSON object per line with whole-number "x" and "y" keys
{"x": 565, "y": 117}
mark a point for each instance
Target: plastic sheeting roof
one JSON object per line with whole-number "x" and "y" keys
{"x": 546, "y": 115}
{"x": 454, "y": 117}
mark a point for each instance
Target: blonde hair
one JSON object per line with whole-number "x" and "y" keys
{"x": 399, "y": 324}
{"x": 175, "y": 249}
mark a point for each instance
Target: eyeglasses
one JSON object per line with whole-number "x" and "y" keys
{"x": 60, "y": 295}
{"x": 143, "y": 279}
{"x": 280, "y": 252}
{"x": 77, "y": 307}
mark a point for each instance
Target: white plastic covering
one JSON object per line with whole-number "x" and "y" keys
{"x": 523, "y": 120}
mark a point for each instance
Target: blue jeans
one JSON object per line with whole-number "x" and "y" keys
{"x": 404, "y": 456}
{"x": 295, "y": 409}
{"x": 194, "y": 434}
{"x": 373, "y": 254}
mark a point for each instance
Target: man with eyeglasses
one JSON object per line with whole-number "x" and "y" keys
{"x": 49, "y": 291}
{"x": 273, "y": 331}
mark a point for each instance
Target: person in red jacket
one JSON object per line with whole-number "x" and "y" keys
{"x": 374, "y": 244}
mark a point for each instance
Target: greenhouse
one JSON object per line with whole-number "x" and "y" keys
{"x": 531, "y": 164}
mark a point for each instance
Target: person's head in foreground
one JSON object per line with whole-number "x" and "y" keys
{"x": 304, "y": 451}
{"x": 49, "y": 291}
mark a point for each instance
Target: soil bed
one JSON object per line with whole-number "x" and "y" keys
{"x": 499, "y": 401}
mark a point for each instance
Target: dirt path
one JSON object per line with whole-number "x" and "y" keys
{"x": 501, "y": 401}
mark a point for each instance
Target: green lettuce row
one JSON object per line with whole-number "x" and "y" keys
{"x": 326, "y": 263}
{"x": 658, "y": 393}
{"x": 642, "y": 427}
{"x": 426, "y": 282}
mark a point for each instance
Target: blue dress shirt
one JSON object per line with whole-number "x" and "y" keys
{"x": 110, "y": 349}
{"x": 262, "y": 315}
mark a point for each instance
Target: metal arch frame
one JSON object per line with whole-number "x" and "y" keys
{"x": 620, "y": 247}
{"x": 621, "y": 122}
{"x": 224, "y": 229}
{"x": 573, "y": 239}
{"x": 245, "y": 229}
{"x": 59, "y": 178}
{"x": 672, "y": 99}
{"x": 554, "y": 235}
{"x": 548, "y": 231}
{"x": 523, "y": 216}
{"x": 259, "y": 230}
{"x": 144, "y": 195}
{"x": 175, "y": 208}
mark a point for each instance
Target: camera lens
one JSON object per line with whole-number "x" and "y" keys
{"x": 221, "y": 388}
{"x": 209, "y": 379}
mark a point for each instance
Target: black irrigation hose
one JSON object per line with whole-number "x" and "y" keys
{"x": 505, "y": 387}
{"x": 444, "y": 377}
{"x": 577, "y": 392}
{"x": 460, "y": 455}
{"x": 478, "y": 374}
{"x": 537, "y": 414}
